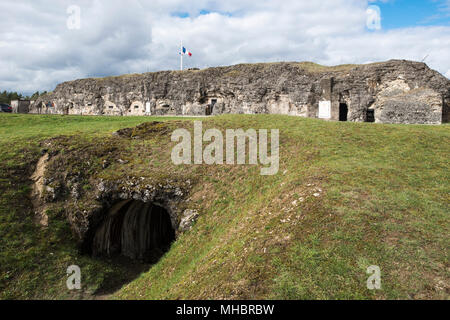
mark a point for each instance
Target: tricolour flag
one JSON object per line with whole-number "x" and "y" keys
{"x": 186, "y": 52}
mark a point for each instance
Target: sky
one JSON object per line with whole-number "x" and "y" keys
{"x": 46, "y": 42}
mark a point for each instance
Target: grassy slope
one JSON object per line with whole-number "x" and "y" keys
{"x": 384, "y": 201}
{"x": 305, "y": 65}
{"x": 33, "y": 260}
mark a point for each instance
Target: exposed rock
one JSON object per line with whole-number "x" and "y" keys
{"x": 67, "y": 180}
{"x": 388, "y": 92}
{"x": 105, "y": 164}
{"x": 50, "y": 193}
{"x": 38, "y": 176}
{"x": 410, "y": 106}
{"x": 38, "y": 190}
{"x": 110, "y": 194}
{"x": 188, "y": 219}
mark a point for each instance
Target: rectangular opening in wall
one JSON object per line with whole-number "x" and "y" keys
{"x": 213, "y": 103}
{"x": 210, "y": 107}
{"x": 343, "y": 112}
{"x": 370, "y": 116}
{"x": 446, "y": 112}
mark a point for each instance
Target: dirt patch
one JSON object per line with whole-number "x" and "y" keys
{"x": 145, "y": 130}
{"x": 38, "y": 189}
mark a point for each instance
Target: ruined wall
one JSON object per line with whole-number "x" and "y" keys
{"x": 397, "y": 91}
{"x": 21, "y": 106}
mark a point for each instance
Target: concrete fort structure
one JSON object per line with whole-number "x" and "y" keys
{"x": 21, "y": 106}
{"x": 395, "y": 91}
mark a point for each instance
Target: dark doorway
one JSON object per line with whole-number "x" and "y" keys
{"x": 343, "y": 112}
{"x": 446, "y": 112}
{"x": 370, "y": 116}
{"x": 210, "y": 107}
{"x": 136, "y": 230}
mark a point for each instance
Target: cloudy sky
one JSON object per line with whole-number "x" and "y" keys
{"x": 45, "y": 42}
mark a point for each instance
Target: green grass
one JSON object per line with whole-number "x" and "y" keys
{"x": 33, "y": 260}
{"x": 314, "y": 67}
{"x": 306, "y": 65}
{"x": 384, "y": 201}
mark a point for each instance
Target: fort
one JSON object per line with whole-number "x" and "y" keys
{"x": 396, "y": 91}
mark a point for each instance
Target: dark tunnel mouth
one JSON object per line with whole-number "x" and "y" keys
{"x": 133, "y": 229}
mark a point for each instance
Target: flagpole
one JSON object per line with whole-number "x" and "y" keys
{"x": 181, "y": 54}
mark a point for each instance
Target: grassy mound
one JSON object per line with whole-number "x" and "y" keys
{"x": 347, "y": 196}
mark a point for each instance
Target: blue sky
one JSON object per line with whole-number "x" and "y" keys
{"x": 395, "y": 13}
{"x": 201, "y": 12}
{"x": 411, "y": 13}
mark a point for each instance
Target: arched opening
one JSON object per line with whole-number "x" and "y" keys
{"x": 136, "y": 230}
{"x": 343, "y": 112}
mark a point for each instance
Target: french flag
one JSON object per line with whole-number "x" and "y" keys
{"x": 186, "y": 52}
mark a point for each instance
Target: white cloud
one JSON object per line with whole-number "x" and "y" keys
{"x": 37, "y": 51}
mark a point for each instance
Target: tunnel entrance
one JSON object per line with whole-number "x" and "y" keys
{"x": 136, "y": 230}
{"x": 343, "y": 112}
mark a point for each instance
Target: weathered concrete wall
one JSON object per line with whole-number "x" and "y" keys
{"x": 398, "y": 92}
{"x": 21, "y": 106}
